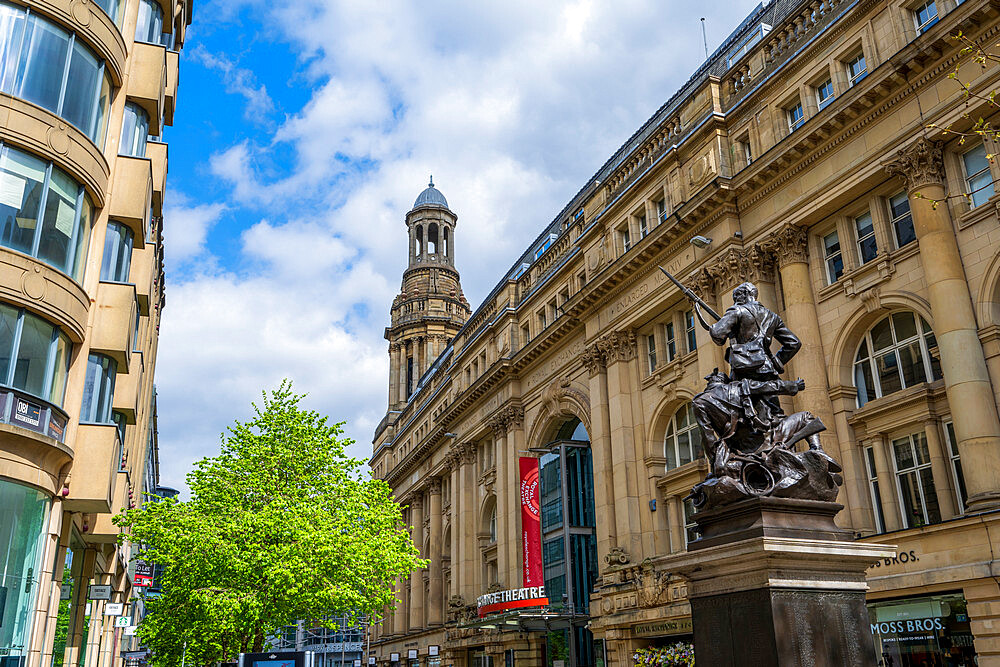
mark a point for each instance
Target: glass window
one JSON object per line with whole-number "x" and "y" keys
{"x": 668, "y": 332}
{"x": 691, "y": 532}
{"x": 682, "y": 443}
{"x": 623, "y": 234}
{"x": 551, "y": 492}
{"x": 135, "y": 130}
{"x": 978, "y": 180}
{"x": 149, "y": 27}
{"x": 916, "y": 483}
{"x": 795, "y": 117}
{"x": 931, "y": 630}
{"x": 661, "y": 210}
{"x": 117, "y": 253}
{"x": 98, "y": 389}
{"x": 956, "y": 466}
{"x": 692, "y": 340}
{"x": 873, "y": 487}
{"x": 651, "y": 352}
{"x": 857, "y": 69}
{"x": 43, "y": 64}
{"x": 39, "y": 351}
{"x": 834, "y": 257}
{"x": 898, "y": 352}
{"x": 925, "y": 16}
{"x": 493, "y": 524}
{"x": 43, "y": 212}
{"x": 110, "y": 8}
{"x": 902, "y": 221}
{"x": 824, "y": 93}
{"x": 22, "y": 524}
{"x": 867, "y": 247}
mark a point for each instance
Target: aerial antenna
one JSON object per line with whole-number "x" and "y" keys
{"x": 704, "y": 38}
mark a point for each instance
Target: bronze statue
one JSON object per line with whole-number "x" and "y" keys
{"x": 749, "y": 440}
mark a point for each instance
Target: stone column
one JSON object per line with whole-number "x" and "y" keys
{"x": 417, "y": 575}
{"x": 970, "y": 395}
{"x": 400, "y": 616}
{"x": 454, "y": 461}
{"x": 600, "y": 442}
{"x": 393, "y": 369}
{"x": 469, "y": 546}
{"x": 48, "y": 589}
{"x": 619, "y": 353}
{"x": 434, "y": 601}
{"x": 504, "y": 424}
{"x": 939, "y": 470}
{"x": 790, "y": 248}
{"x": 886, "y": 483}
{"x": 676, "y": 524}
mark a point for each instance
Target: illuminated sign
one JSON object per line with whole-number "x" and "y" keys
{"x": 516, "y": 598}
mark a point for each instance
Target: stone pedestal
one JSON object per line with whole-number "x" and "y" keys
{"x": 775, "y": 583}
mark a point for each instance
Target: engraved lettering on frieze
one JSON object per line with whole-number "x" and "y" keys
{"x": 630, "y": 298}
{"x": 568, "y": 354}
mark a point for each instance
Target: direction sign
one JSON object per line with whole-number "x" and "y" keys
{"x": 99, "y": 592}
{"x": 123, "y": 622}
{"x": 114, "y": 609}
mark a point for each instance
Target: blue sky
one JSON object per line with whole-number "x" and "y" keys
{"x": 304, "y": 131}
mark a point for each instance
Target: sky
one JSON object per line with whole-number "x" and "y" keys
{"x": 305, "y": 129}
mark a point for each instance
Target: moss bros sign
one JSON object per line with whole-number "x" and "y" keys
{"x": 515, "y": 598}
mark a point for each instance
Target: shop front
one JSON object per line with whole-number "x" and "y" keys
{"x": 23, "y": 512}
{"x": 927, "y": 630}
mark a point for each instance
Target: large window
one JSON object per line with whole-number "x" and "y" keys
{"x": 902, "y": 221}
{"x": 824, "y": 93}
{"x": 689, "y": 331}
{"x": 691, "y": 531}
{"x": 874, "y": 489}
{"x": 651, "y": 352}
{"x": 149, "y": 27}
{"x": 45, "y": 65}
{"x": 834, "y": 257}
{"x": 22, "y": 524}
{"x": 919, "y": 503}
{"x": 34, "y": 355}
{"x": 898, "y": 352}
{"x": 135, "y": 130}
{"x": 43, "y": 212}
{"x": 956, "y": 466}
{"x": 682, "y": 443}
{"x": 925, "y": 15}
{"x": 98, "y": 390}
{"x": 857, "y": 68}
{"x": 117, "y": 253}
{"x": 978, "y": 179}
{"x": 867, "y": 246}
{"x": 795, "y": 116}
{"x": 668, "y": 333}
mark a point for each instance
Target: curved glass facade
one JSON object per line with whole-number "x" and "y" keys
{"x": 135, "y": 130}
{"x": 43, "y": 212}
{"x": 117, "y": 253}
{"x": 98, "y": 389}
{"x": 34, "y": 354}
{"x": 21, "y": 524}
{"x": 46, "y": 65}
{"x": 149, "y": 27}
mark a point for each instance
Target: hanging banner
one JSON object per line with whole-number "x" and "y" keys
{"x": 531, "y": 524}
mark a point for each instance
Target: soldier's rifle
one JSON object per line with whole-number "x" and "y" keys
{"x": 691, "y": 295}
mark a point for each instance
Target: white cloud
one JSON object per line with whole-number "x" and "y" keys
{"x": 511, "y": 106}
{"x": 239, "y": 81}
{"x": 186, "y": 227}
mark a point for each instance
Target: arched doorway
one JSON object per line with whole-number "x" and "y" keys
{"x": 569, "y": 543}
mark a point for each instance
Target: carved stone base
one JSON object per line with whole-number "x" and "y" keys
{"x": 775, "y": 583}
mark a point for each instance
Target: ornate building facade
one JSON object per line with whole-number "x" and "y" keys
{"x": 808, "y": 156}
{"x": 85, "y": 91}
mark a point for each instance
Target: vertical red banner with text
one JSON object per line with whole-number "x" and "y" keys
{"x": 531, "y": 524}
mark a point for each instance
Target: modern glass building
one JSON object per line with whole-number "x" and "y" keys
{"x": 85, "y": 91}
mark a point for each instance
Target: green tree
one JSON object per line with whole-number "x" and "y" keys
{"x": 282, "y": 525}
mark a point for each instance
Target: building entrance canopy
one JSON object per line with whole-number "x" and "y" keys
{"x": 527, "y": 621}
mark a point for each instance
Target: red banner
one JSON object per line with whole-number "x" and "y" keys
{"x": 531, "y": 524}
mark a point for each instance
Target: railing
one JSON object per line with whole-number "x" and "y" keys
{"x": 32, "y": 413}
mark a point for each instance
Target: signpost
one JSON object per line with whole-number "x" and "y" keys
{"x": 96, "y": 592}
{"x": 531, "y": 535}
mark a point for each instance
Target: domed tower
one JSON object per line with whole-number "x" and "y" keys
{"x": 430, "y": 308}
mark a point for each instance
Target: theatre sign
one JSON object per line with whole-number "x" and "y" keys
{"x": 515, "y": 598}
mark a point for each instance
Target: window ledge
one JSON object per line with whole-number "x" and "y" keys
{"x": 680, "y": 480}
{"x": 984, "y": 211}
{"x": 901, "y": 408}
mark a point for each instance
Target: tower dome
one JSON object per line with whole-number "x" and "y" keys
{"x": 431, "y": 196}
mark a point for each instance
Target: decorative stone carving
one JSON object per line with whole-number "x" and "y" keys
{"x": 561, "y": 390}
{"x": 434, "y": 486}
{"x": 593, "y": 359}
{"x": 467, "y": 453}
{"x": 509, "y": 417}
{"x": 652, "y": 587}
{"x": 739, "y": 265}
{"x": 617, "y": 346}
{"x": 495, "y": 588}
{"x": 417, "y": 502}
{"x": 919, "y": 164}
{"x": 617, "y": 556}
{"x": 789, "y": 245}
{"x": 703, "y": 284}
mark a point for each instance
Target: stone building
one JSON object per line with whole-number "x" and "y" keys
{"x": 806, "y": 155}
{"x": 85, "y": 90}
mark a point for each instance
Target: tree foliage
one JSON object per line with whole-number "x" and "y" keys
{"x": 280, "y": 526}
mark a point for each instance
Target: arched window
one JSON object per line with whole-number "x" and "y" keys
{"x": 682, "y": 443}
{"x": 444, "y": 242}
{"x": 898, "y": 352}
{"x": 420, "y": 241}
{"x": 493, "y": 524}
{"x": 432, "y": 238}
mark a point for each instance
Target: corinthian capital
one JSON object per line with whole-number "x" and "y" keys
{"x": 789, "y": 245}
{"x": 593, "y": 359}
{"x": 753, "y": 263}
{"x": 617, "y": 346}
{"x": 919, "y": 164}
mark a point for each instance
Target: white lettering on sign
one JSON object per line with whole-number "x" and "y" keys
{"x": 911, "y": 625}
{"x": 512, "y": 595}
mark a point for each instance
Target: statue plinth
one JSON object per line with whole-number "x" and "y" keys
{"x": 774, "y": 582}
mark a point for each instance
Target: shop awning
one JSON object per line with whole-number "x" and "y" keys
{"x": 527, "y": 621}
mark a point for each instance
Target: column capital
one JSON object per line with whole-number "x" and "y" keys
{"x": 789, "y": 245}
{"x": 752, "y": 263}
{"x": 617, "y": 346}
{"x": 506, "y": 419}
{"x": 417, "y": 501}
{"x": 593, "y": 359}
{"x": 434, "y": 486}
{"x": 703, "y": 284}
{"x": 920, "y": 164}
